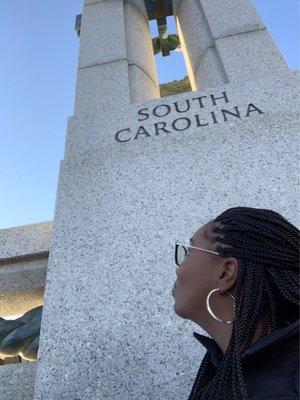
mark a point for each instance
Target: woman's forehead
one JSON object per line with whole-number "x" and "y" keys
{"x": 203, "y": 233}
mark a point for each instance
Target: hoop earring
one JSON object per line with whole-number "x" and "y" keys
{"x": 210, "y": 310}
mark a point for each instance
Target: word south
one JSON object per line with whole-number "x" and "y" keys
{"x": 161, "y": 119}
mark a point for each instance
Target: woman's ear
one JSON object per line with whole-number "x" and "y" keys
{"x": 228, "y": 274}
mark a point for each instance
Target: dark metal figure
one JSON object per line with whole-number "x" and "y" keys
{"x": 21, "y": 336}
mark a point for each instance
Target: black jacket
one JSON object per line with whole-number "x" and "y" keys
{"x": 270, "y": 365}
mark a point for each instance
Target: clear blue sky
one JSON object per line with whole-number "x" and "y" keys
{"x": 39, "y": 51}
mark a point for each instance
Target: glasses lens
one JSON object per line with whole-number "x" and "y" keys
{"x": 180, "y": 254}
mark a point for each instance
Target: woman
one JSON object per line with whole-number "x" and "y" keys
{"x": 238, "y": 279}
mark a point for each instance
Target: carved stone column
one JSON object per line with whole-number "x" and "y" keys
{"x": 225, "y": 41}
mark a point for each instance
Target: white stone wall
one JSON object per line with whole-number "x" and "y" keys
{"x": 23, "y": 266}
{"x": 140, "y": 174}
{"x": 17, "y": 381}
{"x": 25, "y": 241}
{"x": 109, "y": 329}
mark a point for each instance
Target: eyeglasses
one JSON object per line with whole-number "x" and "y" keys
{"x": 181, "y": 252}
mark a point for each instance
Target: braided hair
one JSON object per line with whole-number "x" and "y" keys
{"x": 267, "y": 287}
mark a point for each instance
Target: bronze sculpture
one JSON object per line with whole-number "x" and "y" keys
{"x": 21, "y": 336}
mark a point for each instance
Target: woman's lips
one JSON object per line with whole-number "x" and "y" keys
{"x": 173, "y": 290}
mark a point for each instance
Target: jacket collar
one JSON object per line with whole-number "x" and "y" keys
{"x": 262, "y": 343}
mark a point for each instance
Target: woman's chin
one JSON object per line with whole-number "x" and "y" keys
{"x": 178, "y": 311}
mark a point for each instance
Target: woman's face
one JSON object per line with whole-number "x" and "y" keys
{"x": 197, "y": 275}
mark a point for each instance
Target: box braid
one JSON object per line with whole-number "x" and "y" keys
{"x": 267, "y": 288}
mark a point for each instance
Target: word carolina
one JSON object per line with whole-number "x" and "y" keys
{"x": 183, "y": 123}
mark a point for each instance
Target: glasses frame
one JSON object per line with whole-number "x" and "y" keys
{"x": 184, "y": 245}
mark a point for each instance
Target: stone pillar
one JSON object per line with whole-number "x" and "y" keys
{"x": 143, "y": 81}
{"x": 137, "y": 176}
{"x": 225, "y": 41}
{"x": 116, "y": 62}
